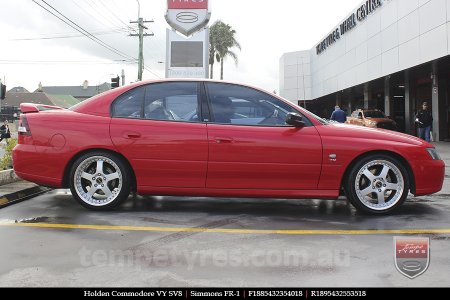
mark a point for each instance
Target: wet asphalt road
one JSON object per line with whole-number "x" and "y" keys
{"x": 166, "y": 243}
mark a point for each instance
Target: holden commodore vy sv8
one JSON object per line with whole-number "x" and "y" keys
{"x": 208, "y": 138}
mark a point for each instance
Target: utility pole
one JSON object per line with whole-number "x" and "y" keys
{"x": 141, "y": 35}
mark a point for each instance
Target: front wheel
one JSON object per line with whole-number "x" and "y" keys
{"x": 99, "y": 180}
{"x": 377, "y": 184}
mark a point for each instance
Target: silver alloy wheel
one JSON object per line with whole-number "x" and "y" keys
{"x": 98, "y": 180}
{"x": 379, "y": 185}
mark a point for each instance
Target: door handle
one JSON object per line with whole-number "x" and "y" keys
{"x": 132, "y": 135}
{"x": 224, "y": 140}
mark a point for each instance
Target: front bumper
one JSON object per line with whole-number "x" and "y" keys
{"x": 429, "y": 176}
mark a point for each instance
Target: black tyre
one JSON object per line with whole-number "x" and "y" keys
{"x": 100, "y": 180}
{"x": 377, "y": 184}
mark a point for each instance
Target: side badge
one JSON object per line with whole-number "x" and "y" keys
{"x": 333, "y": 157}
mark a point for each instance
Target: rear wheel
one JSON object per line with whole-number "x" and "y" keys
{"x": 377, "y": 184}
{"x": 99, "y": 180}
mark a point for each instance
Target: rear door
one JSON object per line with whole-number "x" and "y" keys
{"x": 251, "y": 147}
{"x": 153, "y": 127}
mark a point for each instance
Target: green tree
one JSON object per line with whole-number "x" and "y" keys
{"x": 6, "y": 160}
{"x": 222, "y": 39}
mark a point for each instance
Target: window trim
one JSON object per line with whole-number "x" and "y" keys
{"x": 142, "y": 117}
{"x": 112, "y": 106}
{"x": 205, "y": 108}
{"x": 308, "y": 122}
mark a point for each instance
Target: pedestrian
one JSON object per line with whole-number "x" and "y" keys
{"x": 4, "y": 129}
{"x": 424, "y": 119}
{"x": 338, "y": 115}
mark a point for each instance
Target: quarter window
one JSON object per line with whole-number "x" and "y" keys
{"x": 129, "y": 104}
{"x": 172, "y": 101}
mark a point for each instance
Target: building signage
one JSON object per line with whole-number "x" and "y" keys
{"x": 187, "y": 16}
{"x": 360, "y": 15}
{"x": 187, "y": 58}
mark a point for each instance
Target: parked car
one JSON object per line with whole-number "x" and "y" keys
{"x": 371, "y": 118}
{"x": 244, "y": 142}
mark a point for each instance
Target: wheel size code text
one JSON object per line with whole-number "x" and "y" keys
{"x": 275, "y": 293}
{"x": 338, "y": 293}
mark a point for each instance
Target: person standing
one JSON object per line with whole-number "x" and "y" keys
{"x": 4, "y": 129}
{"x": 338, "y": 115}
{"x": 424, "y": 119}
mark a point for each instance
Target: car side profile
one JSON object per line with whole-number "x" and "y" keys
{"x": 216, "y": 139}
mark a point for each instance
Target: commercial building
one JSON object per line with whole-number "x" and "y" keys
{"x": 386, "y": 54}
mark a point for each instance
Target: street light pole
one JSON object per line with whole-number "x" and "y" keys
{"x": 139, "y": 9}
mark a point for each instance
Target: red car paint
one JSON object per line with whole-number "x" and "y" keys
{"x": 207, "y": 159}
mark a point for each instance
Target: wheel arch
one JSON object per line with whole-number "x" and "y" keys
{"x": 66, "y": 175}
{"x": 411, "y": 178}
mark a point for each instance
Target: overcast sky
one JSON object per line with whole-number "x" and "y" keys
{"x": 37, "y": 47}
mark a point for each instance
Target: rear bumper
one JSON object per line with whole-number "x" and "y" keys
{"x": 429, "y": 176}
{"x": 41, "y": 168}
{"x": 44, "y": 181}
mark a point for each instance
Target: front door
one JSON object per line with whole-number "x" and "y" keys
{"x": 251, "y": 147}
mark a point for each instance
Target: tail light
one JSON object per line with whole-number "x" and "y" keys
{"x": 24, "y": 128}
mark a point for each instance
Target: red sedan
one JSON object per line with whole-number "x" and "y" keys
{"x": 208, "y": 138}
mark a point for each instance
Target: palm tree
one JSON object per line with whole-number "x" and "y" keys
{"x": 212, "y": 49}
{"x": 222, "y": 39}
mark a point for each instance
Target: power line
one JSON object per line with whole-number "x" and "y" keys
{"x": 89, "y": 35}
{"x": 94, "y": 17}
{"x": 121, "y": 9}
{"x": 82, "y": 30}
{"x": 66, "y": 36}
{"x": 150, "y": 71}
{"x": 112, "y": 13}
{"x": 99, "y": 14}
{"x": 87, "y": 62}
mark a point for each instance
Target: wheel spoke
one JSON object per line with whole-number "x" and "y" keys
{"x": 107, "y": 191}
{"x": 112, "y": 176}
{"x": 392, "y": 186}
{"x": 384, "y": 172}
{"x": 368, "y": 190}
{"x": 86, "y": 176}
{"x": 380, "y": 197}
{"x": 99, "y": 167}
{"x": 369, "y": 175}
{"x": 92, "y": 191}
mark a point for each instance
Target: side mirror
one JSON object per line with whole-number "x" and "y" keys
{"x": 295, "y": 120}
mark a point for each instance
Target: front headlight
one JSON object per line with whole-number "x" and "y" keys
{"x": 433, "y": 153}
